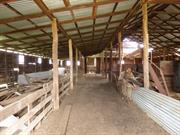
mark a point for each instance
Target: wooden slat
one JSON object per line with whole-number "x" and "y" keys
{"x": 37, "y": 120}
{"x": 65, "y": 120}
{"x": 25, "y": 117}
{"x": 17, "y": 106}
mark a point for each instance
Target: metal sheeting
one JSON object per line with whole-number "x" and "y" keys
{"x": 105, "y": 9}
{"x": 118, "y": 17}
{"x": 69, "y": 26}
{"x": 14, "y": 43}
{"x": 85, "y": 23}
{"x": 72, "y": 32}
{"x": 162, "y": 109}
{"x": 83, "y": 12}
{"x": 5, "y": 28}
{"x": 6, "y": 12}
{"x": 125, "y": 5}
{"x": 113, "y": 25}
{"x": 102, "y": 20}
{"x": 41, "y": 20}
{"x": 86, "y": 30}
{"x": 76, "y": 2}
{"x": 21, "y": 24}
{"x": 52, "y": 4}
{"x": 100, "y": 27}
{"x": 25, "y": 6}
{"x": 34, "y": 32}
{"x": 66, "y": 15}
{"x": 17, "y": 35}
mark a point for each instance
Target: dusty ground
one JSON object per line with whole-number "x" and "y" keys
{"x": 98, "y": 110}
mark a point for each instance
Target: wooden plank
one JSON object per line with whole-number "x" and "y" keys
{"x": 63, "y": 87}
{"x": 36, "y": 120}
{"x": 164, "y": 1}
{"x": 55, "y": 91}
{"x": 20, "y": 104}
{"x": 25, "y": 117}
{"x": 71, "y": 66}
{"x": 65, "y": 120}
{"x": 146, "y": 45}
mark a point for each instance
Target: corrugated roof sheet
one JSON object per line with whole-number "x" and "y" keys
{"x": 85, "y": 23}
{"x": 118, "y": 17}
{"x": 5, "y": 28}
{"x": 102, "y": 20}
{"x": 17, "y": 35}
{"x": 21, "y": 24}
{"x": 83, "y": 12}
{"x": 52, "y": 4}
{"x": 34, "y": 32}
{"x": 41, "y": 20}
{"x": 66, "y": 15}
{"x": 6, "y": 12}
{"x": 124, "y": 5}
{"x": 25, "y": 6}
{"x": 76, "y": 2}
{"x": 68, "y": 26}
{"x": 102, "y": 9}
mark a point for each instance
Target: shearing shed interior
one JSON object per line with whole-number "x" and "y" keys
{"x": 89, "y": 67}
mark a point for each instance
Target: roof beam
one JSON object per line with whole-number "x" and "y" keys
{"x": 164, "y": 1}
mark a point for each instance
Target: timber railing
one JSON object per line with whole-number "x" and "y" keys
{"x": 22, "y": 116}
{"x": 161, "y": 86}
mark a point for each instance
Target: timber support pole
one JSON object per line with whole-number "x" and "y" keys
{"x": 120, "y": 47}
{"x": 105, "y": 63}
{"x": 85, "y": 65}
{"x": 71, "y": 65}
{"x": 77, "y": 58}
{"x": 146, "y": 44}
{"x": 102, "y": 63}
{"x": 55, "y": 91}
{"x": 110, "y": 64}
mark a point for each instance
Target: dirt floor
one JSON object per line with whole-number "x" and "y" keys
{"x": 97, "y": 109}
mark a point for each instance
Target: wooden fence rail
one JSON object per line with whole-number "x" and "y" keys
{"x": 26, "y": 113}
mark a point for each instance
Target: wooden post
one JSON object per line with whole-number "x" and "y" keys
{"x": 105, "y": 63}
{"x": 146, "y": 44}
{"x": 5, "y": 63}
{"x": 71, "y": 61}
{"x": 55, "y": 91}
{"x": 85, "y": 65}
{"x": 120, "y": 47}
{"x": 102, "y": 62}
{"x": 77, "y": 64}
{"x": 110, "y": 64}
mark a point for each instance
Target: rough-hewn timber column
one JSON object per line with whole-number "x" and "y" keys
{"x": 55, "y": 91}
{"x": 105, "y": 63}
{"x": 71, "y": 61}
{"x": 102, "y": 62}
{"x": 120, "y": 52}
{"x": 77, "y": 64}
{"x": 110, "y": 64}
{"x": 146, "y": 44}
{"x": 85, "y": 65}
